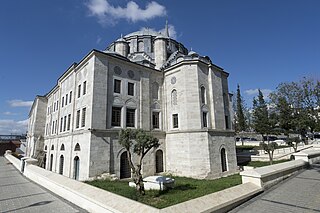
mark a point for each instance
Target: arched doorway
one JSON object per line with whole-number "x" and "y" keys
{"x": 43, "y": 165}
{"x": 76, "y": 168}
{"x": 159, "y": 161}
{"x": 61, "y": 163}
{"x": 51, "y": 162}
{"x": 223, "y": 160}
{"x": 125, "y": 171}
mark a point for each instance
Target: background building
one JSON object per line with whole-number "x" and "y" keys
{"x": 142, "y": 80}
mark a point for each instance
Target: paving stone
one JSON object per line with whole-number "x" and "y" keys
{"x": 298, "y": 194}
{"x": 18, "y": 194}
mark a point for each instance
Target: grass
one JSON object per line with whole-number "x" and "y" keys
{"x": 185, "y": 189}
{"x": 263, "y": 163}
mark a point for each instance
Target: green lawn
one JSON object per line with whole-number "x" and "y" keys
{"x": 263, "y": 163}
{"x": 185, "y": 189}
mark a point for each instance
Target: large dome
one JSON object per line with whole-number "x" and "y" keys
{"x": 144, "y": 32}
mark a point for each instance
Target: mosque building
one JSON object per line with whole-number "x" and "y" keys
{"x": 142, "y": 80}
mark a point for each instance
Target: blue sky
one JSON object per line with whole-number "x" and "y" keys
{"x": 260, "y": 43}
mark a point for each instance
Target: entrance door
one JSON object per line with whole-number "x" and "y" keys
{"x": 61, "y": 163}
{"x": 159, "y": 161}
{"x": 51, "y": 162}
{"x": 125, "y": 171}
{"x": 76, "y": 167}
{"x": 223, "y": 160}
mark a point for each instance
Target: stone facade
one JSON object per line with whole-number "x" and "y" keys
{"x": 142, "y": 80}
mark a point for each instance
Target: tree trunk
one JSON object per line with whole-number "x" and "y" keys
{"x": 270, "y": 157}
{"x": 139, "y": 180}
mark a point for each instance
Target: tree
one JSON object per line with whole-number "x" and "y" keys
{"x": 138, "y": 142}
{"x": 261, "y": 122}
{"x": 269, "y": 148}
{"x": 240, "y": 124}
{"x": 298, "y": 106}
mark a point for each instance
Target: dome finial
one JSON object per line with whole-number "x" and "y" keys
{"x": 167, "y": 29}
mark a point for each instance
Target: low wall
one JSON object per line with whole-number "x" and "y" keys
{"x": 309, "y": 156}
{"x": 94, "y": 199}
{"x": 267, "y": 176}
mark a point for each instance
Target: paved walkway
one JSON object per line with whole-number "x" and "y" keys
{"x": 19, "y": 194}
{"x": 298, "y": 194}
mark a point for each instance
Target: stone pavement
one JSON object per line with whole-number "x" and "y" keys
{"x": 298, "y": 194}
{"x": 19, "y": 194}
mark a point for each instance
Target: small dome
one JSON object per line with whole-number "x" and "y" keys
{"x": 193, "y": 53}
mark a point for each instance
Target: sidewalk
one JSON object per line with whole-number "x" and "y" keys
{"x": 298, "y": 194}
{"x": 18, "y": 194}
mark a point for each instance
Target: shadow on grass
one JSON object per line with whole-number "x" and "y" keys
{"x": 183, "y": 187}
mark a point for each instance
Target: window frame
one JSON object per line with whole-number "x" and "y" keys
{"x": 132, "y": 86}
{"x": 117, "y": 86}
{"x": 156, "y": 120}
{"x": 116, "y": 118}
{"x": 175, "y": 120}
{"x": 129, "y": 120}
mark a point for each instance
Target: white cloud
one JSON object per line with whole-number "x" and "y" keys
{"x": 20, "y": 103}
{"x": 13, "y": 127}
{"x": 171, "y": 29}
{"x": 110, "y": 14}
{"x": 253, "y": 92}
{"x": 9, "y": 113}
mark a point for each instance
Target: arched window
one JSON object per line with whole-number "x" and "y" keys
{"x": 203, "y": 95}
{"x": 159, "y": 161}
{"x": 51, "y": 162}
{"x": 125, "y": 171}
{"x": 61, "y": 163}
{"x": 76, "y": 167}
{"x": 223, "y": 160}
{"x": 46, "y": 147}
{"x": 62, "y": 147}
{"x": 52, "y": 147}
{"x": 155, "y": 90}
{"x": 77, "y": 147}
{"x": 141, "y": 46}
{"x": 174, "y": 98}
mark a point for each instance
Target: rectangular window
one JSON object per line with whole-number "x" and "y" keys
{"x": 79, "y": 90}
{"x": 70, "y": 97}
{"x": 116, "y": 116}
{"x": 57, "y": 105}
{"x": 54, "y": 106}
{"x": 155, "y": 120}
{"x": 69, "y": 121}
{"x": 64, "y": 123}
{"x": 61, "y": 124}
{"x": 62, "y": 102}
{"x": 84, "y": 88}
{"x": 83, "y": 118}
{"x": 227, "y": 122}
{"x": 204, "y": 119}
{"x": 175, "y": 120}
{"x": 57, "y": 124}
{"x": 117, "y": 86}
{"x": 78, "y": 119}
{"x": 130, "y": 117}
{"x": 66, "y": 99}
{"x": 131, "y": 89}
